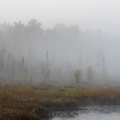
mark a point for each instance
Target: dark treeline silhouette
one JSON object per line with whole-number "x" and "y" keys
{"x": 65, "y": 54}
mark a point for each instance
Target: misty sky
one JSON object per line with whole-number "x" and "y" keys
{"x": 92, "y": 14}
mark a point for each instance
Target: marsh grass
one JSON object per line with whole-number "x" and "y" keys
{"x": 20, "y": 102}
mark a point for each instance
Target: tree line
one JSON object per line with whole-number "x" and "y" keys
{"x": 30, "y": 53}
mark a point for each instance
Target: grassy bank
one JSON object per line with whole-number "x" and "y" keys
{"x": 19, "y": 102}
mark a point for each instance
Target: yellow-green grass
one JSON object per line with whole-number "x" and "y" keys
{"x": 19, "y": 102}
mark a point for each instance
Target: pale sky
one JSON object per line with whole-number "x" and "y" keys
{"x": 93, "y": 14}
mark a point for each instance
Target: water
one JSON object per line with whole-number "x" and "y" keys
{"x": 91, "y": 113}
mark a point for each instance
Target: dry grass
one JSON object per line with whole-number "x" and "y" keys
{"x": 19, "y": 102}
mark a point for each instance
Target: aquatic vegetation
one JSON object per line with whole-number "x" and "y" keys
{"x": 20, "y": 102}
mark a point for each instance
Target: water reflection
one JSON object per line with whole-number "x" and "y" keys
{"x": 90, "y": 113}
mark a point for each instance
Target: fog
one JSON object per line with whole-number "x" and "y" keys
{"x": 92, "y": 14}
{"x": 66, "y": 42}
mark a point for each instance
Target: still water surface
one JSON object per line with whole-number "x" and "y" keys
{"x": 91, "y": 113}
